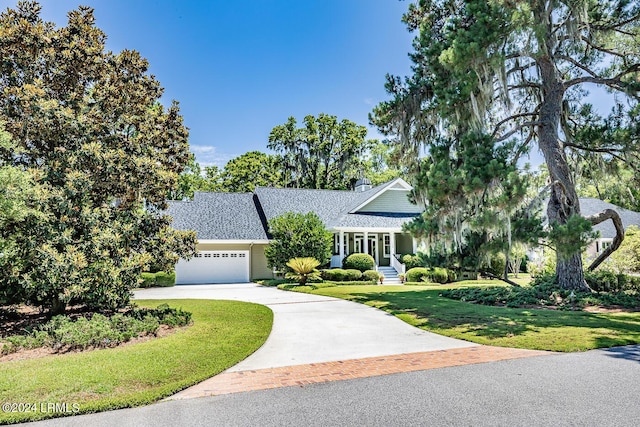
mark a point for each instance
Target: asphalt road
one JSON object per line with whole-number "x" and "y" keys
{"x": 596, "y": 388}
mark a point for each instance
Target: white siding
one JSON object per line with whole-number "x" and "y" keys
{"x": 391, "y": 201}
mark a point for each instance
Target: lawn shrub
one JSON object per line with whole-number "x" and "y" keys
{"x": 351, "y": 275}
{"x": 544, "y": 291}
{"x": 412, "y": 261}
{"x": 159, "y": 279}
{"x": 497, "y": 264}
{"x": 164, "y": 279}
{"x": 452, "y": 276}
{"x": 437, "y": 275}
{"x": 362, "y": 262}
{"x": 148, "y": 280}
{"x": 334, "y": 274}
{"x": 371, "y": 276}
{"x": 608, "y": 281}
{"x": 416, "y": 274}
{"x": 99, "y": 330}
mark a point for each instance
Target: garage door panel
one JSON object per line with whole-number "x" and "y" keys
{"x": 214, "y": 267}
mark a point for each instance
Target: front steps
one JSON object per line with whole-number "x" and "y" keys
{"x": 390, "y": 276}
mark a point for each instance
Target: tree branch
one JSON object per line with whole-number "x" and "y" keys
{"x": 577, "y": 64}
{"x": 609, "y": 151}
{"x": 617, "y": 241}
{"x": 493, "y": 276}
{"x": 516, "y": 129}
{"x": 611, "y": 82}
{"x": 508, "y": 119}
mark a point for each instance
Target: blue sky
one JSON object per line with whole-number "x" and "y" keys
{"x": 239, "y": 68}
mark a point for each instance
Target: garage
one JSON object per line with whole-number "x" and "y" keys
{"x": 214, "y": 267}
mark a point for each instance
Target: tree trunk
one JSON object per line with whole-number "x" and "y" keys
{"x": 57, "y": 306}
{"x": 563, "y": 202}
{"x": 570, "y": 273}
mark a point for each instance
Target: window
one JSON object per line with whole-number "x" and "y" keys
{"x": 386, "y": 246}
{"x": 604, "y": 245}
{"x": 358, "y": 243}
{"x": 336, "y": 243}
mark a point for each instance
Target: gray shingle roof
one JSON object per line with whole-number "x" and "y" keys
{"x": 332, "y": 206}
{"x": 235, "y": 216}
{"x": 219, "y": 216}
{"x": 590, "y": 206}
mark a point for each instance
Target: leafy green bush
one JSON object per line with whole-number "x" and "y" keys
{"x": 164, "y": 279}
{"x": 296, "y": 235}
{"x": 544, "y": 291}
{"x": 416, "y": 274}
{"x": 608, "y": 281}
{"x": 452, "y": 276}
{"x": 412, "y": 261}
{"x": 362, "y": 262}
{"x": 497, "y": 264}
{"x": 371, "y": 276}
{"x": 99, "y": 330}
{"x": 159, "y": 279}
{"x": 351, "y": 275}
{"x": 334, "y": 274}
{"x": 340, "y": 275}
{"x": 437, "y": 275}
{"x": 148, "y": 280}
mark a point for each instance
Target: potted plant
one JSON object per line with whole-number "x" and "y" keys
{"x": 401, "y": 277}
{"x": 381, "y": 278}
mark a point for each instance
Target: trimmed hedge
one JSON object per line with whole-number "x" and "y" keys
{"x": 411, "y": 261}
{"x": 159, "y": 279}
{"x": 350, "y": 275}
{"x": 371, "y": 275}
{"x": 362, "y": 262}
{"x": 433, "y": 275}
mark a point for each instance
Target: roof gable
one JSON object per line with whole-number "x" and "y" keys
{"x": 393, "y": 197}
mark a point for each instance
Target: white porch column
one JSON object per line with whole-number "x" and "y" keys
{"x": 392, "y": 241}
{"x": 415, "y": 245}
{"x": 365, "y": 249}
{"x": 341, "y": 243}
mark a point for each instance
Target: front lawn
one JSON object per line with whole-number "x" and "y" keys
{"x": 538, "y": 329}
{"x": 223, "y": 333}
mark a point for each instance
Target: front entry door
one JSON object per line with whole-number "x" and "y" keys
{"x": 373, "y": 247}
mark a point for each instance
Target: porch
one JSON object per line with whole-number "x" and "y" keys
{"x": 383, "y": 245}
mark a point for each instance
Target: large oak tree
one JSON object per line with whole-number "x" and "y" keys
{"x": 103, "y": 150}
{"x": 324, "y": 153}
{"x": 519, "y": 72}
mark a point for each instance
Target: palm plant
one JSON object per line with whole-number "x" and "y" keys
{"x": 303, "y": 269}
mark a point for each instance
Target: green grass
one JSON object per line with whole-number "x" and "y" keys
{"x": 223, "y": 333}
{"x": 553, "y": 330}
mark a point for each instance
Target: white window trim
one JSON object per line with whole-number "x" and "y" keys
{"x": 386, "y": 246}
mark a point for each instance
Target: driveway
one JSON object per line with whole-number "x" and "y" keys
{"x": 312, "y": 328}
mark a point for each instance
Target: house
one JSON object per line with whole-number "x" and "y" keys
{"x": 232, "y": 232}
{"x": 590, "y": 206}
{"x": 606, "y": 229}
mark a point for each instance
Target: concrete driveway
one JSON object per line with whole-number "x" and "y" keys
{"x": 312, "y": 328}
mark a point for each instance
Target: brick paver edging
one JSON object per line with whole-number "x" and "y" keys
{"x": 262, "y": 379}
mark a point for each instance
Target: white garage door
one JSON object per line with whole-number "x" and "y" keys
{"x": 214, "y": 267}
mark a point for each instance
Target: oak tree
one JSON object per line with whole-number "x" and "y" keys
{"x": 321, "y": 153}
{"x": 519, "y": 72}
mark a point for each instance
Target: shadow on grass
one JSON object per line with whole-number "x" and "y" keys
{"x": 438, "y": 313}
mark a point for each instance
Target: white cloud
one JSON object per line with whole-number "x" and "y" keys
{"x": 208, "y": 155}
